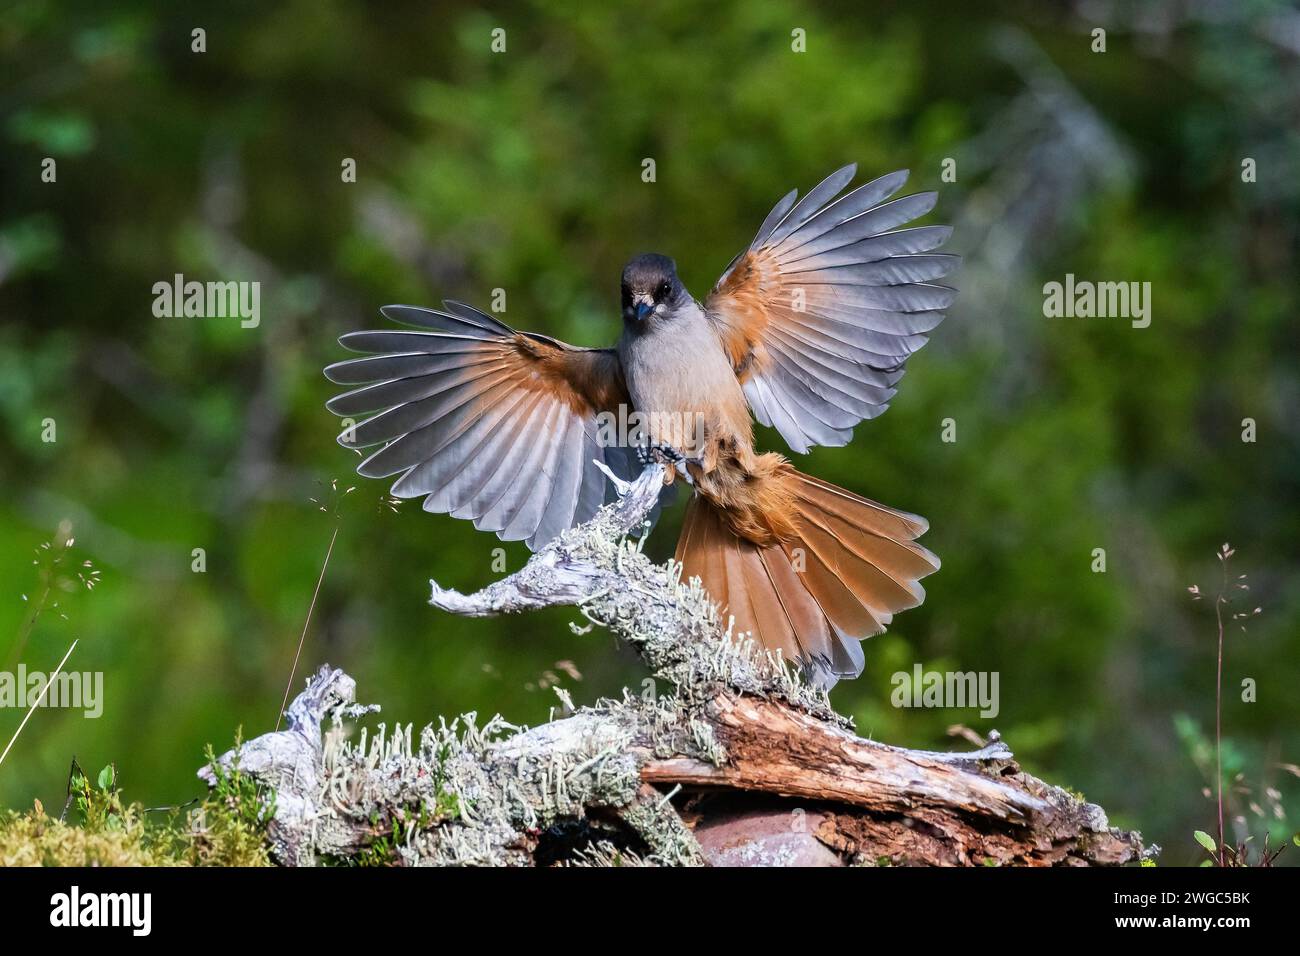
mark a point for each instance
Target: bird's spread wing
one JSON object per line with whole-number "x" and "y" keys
{"x": 820, "y": 313}
{"x": 484, "y": 422}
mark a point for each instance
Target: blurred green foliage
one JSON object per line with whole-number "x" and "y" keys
{"x": 522, "y": 171}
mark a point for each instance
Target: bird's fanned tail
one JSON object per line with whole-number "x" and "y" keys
{"x": 850, "y": 565}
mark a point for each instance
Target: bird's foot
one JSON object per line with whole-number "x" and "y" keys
{"x": 649, "y": 453}
{"x": 665, "y": 454}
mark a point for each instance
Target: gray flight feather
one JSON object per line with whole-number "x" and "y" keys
{"x": 457, "y": 422}
{"x": 846, "y": 296}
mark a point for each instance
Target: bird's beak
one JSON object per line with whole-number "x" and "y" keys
{"x": 644, "y": 306}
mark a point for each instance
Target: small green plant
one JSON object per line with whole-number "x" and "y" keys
{"x": 447, "y": 806}
{"x": 228, "y": 828}
{"x": 330, "y": 505}
{"x": 245, "y": 800}
{"x": 1229, "y": 591}
{"x": 98, "y": 805}
{"x": 1240, "y": 854}
{"x": 57, "y": 572}
{"x": 383, "y": 847}
{"x": 382, "y": 850}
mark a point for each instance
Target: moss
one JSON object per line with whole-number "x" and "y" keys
{"x": 35, "y": 839}
{"x": 208, "y": 836}
{"x": 227, "y": 828}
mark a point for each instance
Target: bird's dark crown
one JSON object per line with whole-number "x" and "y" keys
{"x": 650, "y": 286}
{"x": 648, "y": 274}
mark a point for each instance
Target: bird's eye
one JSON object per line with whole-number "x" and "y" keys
{"x": 664, "y": 289}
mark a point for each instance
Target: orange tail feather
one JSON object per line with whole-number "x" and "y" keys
{"x": 848, "y": 567}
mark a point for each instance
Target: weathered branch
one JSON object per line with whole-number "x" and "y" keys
{"x": 732, "y": 759}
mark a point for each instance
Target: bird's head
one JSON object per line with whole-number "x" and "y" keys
{"x": 651, "y": 289}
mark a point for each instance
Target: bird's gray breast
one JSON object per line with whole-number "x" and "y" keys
{"x": 678, "y": 376}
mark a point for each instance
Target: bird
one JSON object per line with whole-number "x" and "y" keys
{"x": 807, "y": 331}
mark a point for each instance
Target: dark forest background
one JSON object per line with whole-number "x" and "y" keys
{"x": 522, "y": 171}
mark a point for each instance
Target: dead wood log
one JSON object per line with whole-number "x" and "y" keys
{"x": 730, "y": 759}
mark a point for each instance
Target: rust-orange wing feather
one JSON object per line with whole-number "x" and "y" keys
{"x": 483, "y": 422}
{"x": 823, "y": 309}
